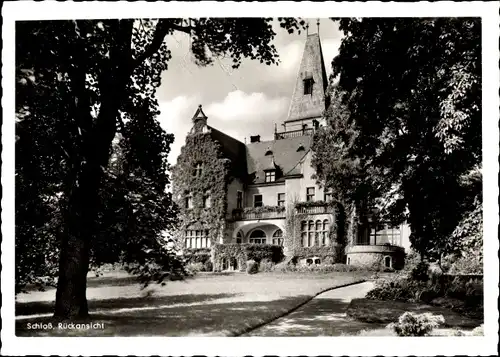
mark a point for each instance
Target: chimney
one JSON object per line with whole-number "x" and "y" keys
{"x": 255, "y": 139}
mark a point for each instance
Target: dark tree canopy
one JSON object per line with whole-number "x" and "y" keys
{"x": 79, "y": 84}
{"x": 405, "y": 126}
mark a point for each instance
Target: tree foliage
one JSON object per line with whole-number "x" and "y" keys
{"x": 406, "y": 124}
{"x": 79, "y": 83}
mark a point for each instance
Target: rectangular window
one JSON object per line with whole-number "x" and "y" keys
{"x": 363, "y": 235}
{"x": 384, "y": 234}
{"x": 308, "y": 86}
{"x": 239, "y": 199}
{"x": 303, "y": 240}
{"x": 197, "y": 170}
{"x": 189, "y": 201}
{"x": 257, "y": 200}
{"x": 198, "y": 239}
{"x": 206, "y": 200}
{"x": 281, "y": 199}
{"x": 270, "y": 176}
{"x": 310, "y": 194}
{"x": 328, "y": 196}
{"x": 310, "y": 240}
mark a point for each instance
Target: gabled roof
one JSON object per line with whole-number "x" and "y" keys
{"x": 285, "y": 156}
{"x": 305, "y": 106}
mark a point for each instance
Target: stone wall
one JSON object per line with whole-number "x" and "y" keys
{"x": 373, "y": 257}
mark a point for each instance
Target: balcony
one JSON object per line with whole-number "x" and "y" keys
{"x": 259, "y": 213}
{"x": 293, "y": 133}
{"x": 314, "y": 207}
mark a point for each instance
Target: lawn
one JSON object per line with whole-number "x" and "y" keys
{"x": 206, "y": 305}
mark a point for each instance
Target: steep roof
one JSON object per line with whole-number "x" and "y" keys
{"x": 312, "y": 66}
{"x": 286, "y": 154}
{"x": 233, "y": 149}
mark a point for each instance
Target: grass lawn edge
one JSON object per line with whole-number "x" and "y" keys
{"x": 266, "y": 321}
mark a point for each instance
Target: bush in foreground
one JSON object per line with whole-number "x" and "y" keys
{"x": 410, "y": 324}
{"x": 252, "y": 267}
{"x": 478, "y": 331}
{"x": 266, "y": 265}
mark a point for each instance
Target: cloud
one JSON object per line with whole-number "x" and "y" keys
{"x": 240, "y": 106}
{"x": 175, "y": 118}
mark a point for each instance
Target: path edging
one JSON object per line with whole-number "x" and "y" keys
{"x": 288, "y": 312}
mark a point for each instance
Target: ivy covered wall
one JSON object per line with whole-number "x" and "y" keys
{"x": 336, "y": 235}
{"x": 212, "y": 177}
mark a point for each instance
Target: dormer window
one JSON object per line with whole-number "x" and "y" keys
{"x": 269, "y": 152}
{"x": 197, "y": 170}
{"x": 308, "y": 86}
{"x": 300, "y": 148}
{"x": 270, "y": 176}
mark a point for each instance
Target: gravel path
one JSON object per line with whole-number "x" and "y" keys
{"x": 325, "y": 315}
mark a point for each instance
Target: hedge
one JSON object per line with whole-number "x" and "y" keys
{"x": 244, "y": 252}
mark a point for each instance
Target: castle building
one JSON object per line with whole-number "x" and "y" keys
{"x": 263, "y": 192}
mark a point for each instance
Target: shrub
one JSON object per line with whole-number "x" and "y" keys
{"x": 258, "y": 252}
{"x": 208, "y": 266}
{"x": 266, "y": 265}
{"x": 398, "y": 288}
{"x": 194, "y": 268}
{"x": 252, "y": 267}
{"x": 329, "y": 261}
{"x": 197, "y": 255}
{"x": 478, "y": 331}
{"x": 410, "y": 324}
{"x": 411, "y": 260}
{"x": 285, "y": 267}
{"x": 420, "y": 272}
{"x": 466, "y": 265}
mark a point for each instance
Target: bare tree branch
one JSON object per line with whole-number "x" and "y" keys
{"x": 163, "y": 27}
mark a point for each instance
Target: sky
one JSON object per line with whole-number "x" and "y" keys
{"x": 242, "y": 102}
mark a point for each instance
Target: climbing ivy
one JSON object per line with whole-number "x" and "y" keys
{"x": 336, "y": 235}
{"x": 243, "y": 252}
{"x": 213, "y": 179}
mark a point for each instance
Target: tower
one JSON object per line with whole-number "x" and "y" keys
{"x": 199, "y": 121}
{"x": 308, "y": 98}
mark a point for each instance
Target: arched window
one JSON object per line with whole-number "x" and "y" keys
{"x": 388, "y": 262}
{"x": 278, "y": 237}
{"x": 239, "y": 237}
{"x": 269, "y": 152}
{"x": 258, "y": 237}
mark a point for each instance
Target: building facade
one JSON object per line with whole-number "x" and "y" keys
{"x": 263, "y": 192}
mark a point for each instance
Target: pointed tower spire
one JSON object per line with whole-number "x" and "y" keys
{"x": 199, "y": 120}
{"x": 308, "y": 99}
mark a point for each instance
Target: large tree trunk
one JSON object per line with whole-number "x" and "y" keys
{"x": 81, "y": 215}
